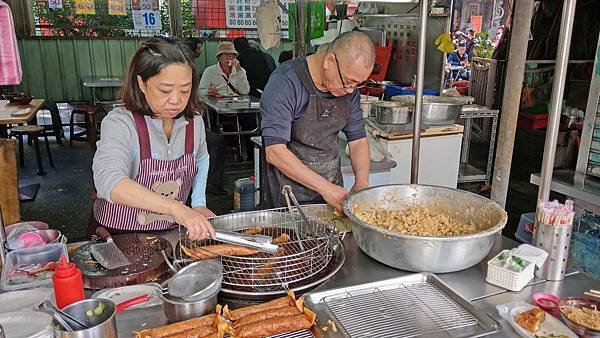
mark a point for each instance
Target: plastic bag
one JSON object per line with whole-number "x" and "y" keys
{"x": 550, "y": 325}
{"x": 268, "y": 20}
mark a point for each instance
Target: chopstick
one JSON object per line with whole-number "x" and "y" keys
{"x": 593, "y": 293}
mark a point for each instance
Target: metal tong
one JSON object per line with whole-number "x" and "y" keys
{"x": 248, "y": 241}
{"x": 289, "y": 195}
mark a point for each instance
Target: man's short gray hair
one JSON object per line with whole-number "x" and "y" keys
{"x": 352, "y": 47}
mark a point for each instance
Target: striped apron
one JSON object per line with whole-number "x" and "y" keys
{"x": 168, "y": 178}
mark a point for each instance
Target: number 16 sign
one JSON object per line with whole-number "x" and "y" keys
{"x": 146, "y": 19}
{"x": 146, "y": 14}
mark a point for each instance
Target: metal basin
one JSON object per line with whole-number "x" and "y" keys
{"x": 437, "y": 110}
{"x": 421, "y": 253}
{"x": 388, "y": 112}
{"x": 440, "y": 114}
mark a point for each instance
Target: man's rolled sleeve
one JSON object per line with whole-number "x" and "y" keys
{"x": 276, "y": 108}
{"x": 355, "y": 128}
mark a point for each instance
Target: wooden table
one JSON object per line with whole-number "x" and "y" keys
{"x": 8, "y": 116}
{"x": 7, "y": 110}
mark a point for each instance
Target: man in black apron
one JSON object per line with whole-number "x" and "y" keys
{"x": 305, "y": 105}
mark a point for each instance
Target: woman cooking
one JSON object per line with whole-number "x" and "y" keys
{"x": 152, "y": 151}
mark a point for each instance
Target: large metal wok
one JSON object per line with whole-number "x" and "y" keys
{"x": 420, "y": 253}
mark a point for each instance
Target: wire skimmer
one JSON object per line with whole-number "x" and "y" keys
{"x": 306, "y": 253}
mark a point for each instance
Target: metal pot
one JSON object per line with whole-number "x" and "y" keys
{"x": 440, "y": 114}
{"x": 387, "y": 112}
{"x": 421, "y": 253}
{"x": 102, "y": 326}
{"x": 437, "y": 110}
{"x": 177, "y": 310}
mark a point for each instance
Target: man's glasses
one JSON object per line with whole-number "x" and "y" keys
{"x": 357, "y": 85}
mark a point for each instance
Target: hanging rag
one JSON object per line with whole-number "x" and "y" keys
{"x": 268, "y": 20}
{"x": 10, "y": 62}
{"x": 444, "y": 43}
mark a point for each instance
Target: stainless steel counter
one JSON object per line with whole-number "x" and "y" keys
{"x": 359, "y": 268}
{"x": 572, "y": 285}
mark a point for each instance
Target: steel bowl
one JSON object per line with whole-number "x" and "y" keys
{"x": 102, "y": 326}
{"x": 437, "y": 110}
{"x": 440, "y": 114}
{"x": 422, "y": 253}
{"x": 177, "y": 310}
{"x": 580, "y": 330}
{"x": 387, "y": 112}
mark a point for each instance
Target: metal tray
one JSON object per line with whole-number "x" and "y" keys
{"x": 418, "y": 305}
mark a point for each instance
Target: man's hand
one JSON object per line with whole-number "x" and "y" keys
{"x": 358, "y": 186}
{"x": 206, "y": 212}
{"x": 213, "y": 92}
{"x": 235, "y": 63}
{"x": 335, "y": 196}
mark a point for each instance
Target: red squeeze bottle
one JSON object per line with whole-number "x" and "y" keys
{"x": 67, "y": 283}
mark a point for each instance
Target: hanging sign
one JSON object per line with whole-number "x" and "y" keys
{"x": 116, "y": 7}
{"x": 55, "y": 4}
{"x": 85, "y": 7}
{"x": 146, "y": 14}
{"x": 242, "y": 13}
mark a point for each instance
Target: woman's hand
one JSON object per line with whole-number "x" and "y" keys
{"x": 213, "y": 92}
{"x": 197, "y": 225}
{"x": 206, "y": 212}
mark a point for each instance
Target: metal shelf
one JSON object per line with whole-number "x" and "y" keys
{"x": 467, "y": 172}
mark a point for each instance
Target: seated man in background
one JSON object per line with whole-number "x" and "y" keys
{"x": 459, "y": 59}
{"x": 285, "y": 55}
{"x": 225, "y": 77}
{"x": 215, "y": 143}
{"x": 195, "y": 45}
{"x": 258, "y": 65}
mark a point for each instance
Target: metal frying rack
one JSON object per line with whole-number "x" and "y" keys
{"x": 308, "y": 251}
{"x": 418, "y": 305}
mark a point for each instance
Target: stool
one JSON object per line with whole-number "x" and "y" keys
{"x": 32, "y": 132}
{"x": 90, "y": 134}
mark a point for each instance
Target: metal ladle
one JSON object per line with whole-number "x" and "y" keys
{"x": 64, "y": 319}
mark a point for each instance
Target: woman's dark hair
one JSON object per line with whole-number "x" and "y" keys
{"x": 153, "y": 55}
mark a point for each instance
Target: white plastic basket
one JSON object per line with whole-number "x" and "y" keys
{"x": 511, "y": 280}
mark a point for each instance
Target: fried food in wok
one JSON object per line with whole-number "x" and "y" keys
{"x": 224, "y": 249}
{"x": 414, "y": 220}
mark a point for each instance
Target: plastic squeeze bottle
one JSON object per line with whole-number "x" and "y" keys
{"x": 67, "y": 283}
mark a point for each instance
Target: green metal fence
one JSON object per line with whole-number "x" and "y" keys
{"x": 53, "y": 67}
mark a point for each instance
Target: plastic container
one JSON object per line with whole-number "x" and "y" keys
{"x": 37, "y": 255}
{"x": 392, "y": 90}
{"x": 243, "y": 194}
{"x": 67, "y": 283}
{"x": 532, "y": 120}
{"x": 547, "y": 302}
{"x": 511, "y": 280}
{"x": 525, "y": 229}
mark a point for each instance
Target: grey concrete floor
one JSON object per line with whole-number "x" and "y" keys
{"x": 64, "y": 199}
